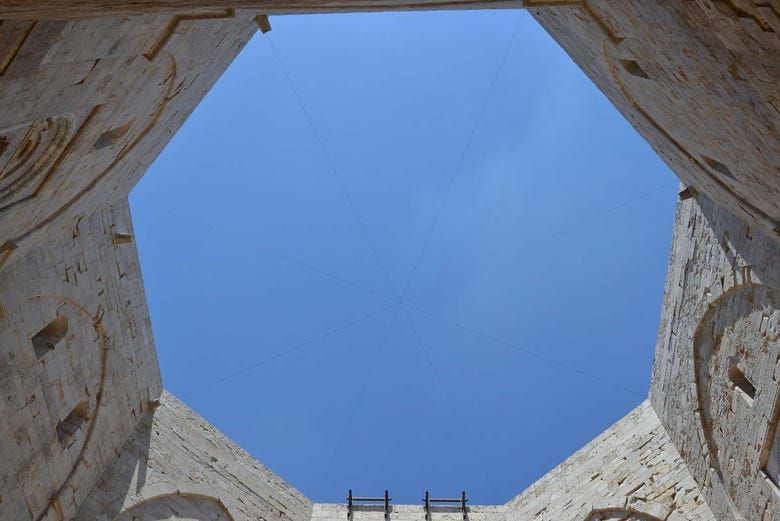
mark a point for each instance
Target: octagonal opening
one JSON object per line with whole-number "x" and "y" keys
{"x": 387, "y": 237}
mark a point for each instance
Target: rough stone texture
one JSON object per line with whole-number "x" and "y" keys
{"x": 699, "y": 79}
{"x": 84, "y": 8}
{"x": 176, "y": 462}
{"x": 630, "y": 472}
{"x": 718, "y": 343}
{"x": 86, "y": 104}
{"x": 103, "y": 359}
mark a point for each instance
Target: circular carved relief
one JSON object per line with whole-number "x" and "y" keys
{"x": 736, "y": 349}
{"x": 59, "y": 359}
{"x": 642, "y": 94}
{"x": 27, "y": 152}
{"x": 112, "y": 131}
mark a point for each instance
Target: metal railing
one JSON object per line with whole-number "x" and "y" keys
{"x": 352, "y": 500}
{"x": 428, "y": 503}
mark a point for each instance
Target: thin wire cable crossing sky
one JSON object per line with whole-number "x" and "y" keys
{"x": 317, "y": 301}
{"x": 378, "y": 351}
{"x": 381, "y": 343}
{"x": 331, "y": 165}
{"x": 400, "y": 302}
{"x": 453, "y": 407}
{"x": 311, "y": 342}
{"x": 462, "y": 155}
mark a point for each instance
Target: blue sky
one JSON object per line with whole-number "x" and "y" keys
{"x": 529, "y": 318}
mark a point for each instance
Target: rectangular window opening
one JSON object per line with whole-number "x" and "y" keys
{"x": 67, "y": 428}
{"x": 47, "y": 338}
{"x": 742, "y": 384}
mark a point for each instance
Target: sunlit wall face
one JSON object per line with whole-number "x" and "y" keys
{"x": 407, "y": 251}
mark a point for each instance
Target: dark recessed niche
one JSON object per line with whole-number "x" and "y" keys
{"x": 741, "y": 383}
{"x": 112, "y": 137}
{"x": 47, "y": 338}
{"x": 718, "y": 167}
{"x": 67, "y": 428}
{"x": 634, "y": 69}
{"x": 122, "y": 238}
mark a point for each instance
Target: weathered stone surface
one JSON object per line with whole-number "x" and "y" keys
{"x": 176, "y": 462}
{"x": 57, "y": 9}
{"x": 71, "y": 395}
{"x": 699, "y": 80}
{"x": 86, "y": 104}
{"x": 715, "y": 380}
{"x": 630, "y": 472}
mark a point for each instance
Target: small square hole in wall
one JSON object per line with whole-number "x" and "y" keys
{"x": 67, "y": 428}
{"x": 47, "y": 338}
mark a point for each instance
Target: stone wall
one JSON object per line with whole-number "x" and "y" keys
{"x": 716, "y": 373}
{"x": 86, "y": 105}
{"x": 102, "y": 96}
{"x": 699, "y": 80}
{"x": 54, "y": 9}
{"x": 631, "y": 472}
{"x": 177, "y": 466}
{"x": 77, "y": 364}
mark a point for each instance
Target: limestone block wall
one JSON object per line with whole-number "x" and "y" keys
{"x": 715, "y": 379}
{"x": 87, "y": 104}
{"x": 84, "y": 8}
{"x": 177, "y": 466}
{"x": 631, "y": 472}
{"x": 338, "y": 512}
{"x": 77, "y": 364}
{"x": 699, "y": 79}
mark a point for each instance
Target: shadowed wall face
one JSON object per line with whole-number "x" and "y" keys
{"x": 176, "y": 464}
{"x": 86, "y": 105}
{"x": 78, "y": 366}
{"x": 699, "y": 81}
{"x": 681, "y": 72}
{"x": 58, "y": 9}
{"x": 715, "y": 381}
